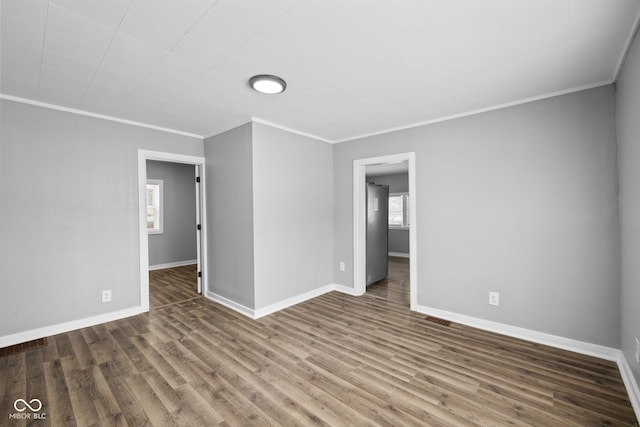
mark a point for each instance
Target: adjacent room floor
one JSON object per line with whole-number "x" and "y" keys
{"x": 172, "y": 285}
{"x": 334, "y": 360}
{"x": 395, "y": 287}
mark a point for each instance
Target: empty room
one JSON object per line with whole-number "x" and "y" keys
{"x": 306, "y": 212}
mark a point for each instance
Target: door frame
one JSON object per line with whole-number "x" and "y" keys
{"x": 199, "y": 163}
{"x": 360, "y": 223}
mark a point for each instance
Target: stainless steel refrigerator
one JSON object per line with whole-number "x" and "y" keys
{"x": 377, "y": 232}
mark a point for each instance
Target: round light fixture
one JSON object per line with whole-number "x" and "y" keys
{"x": 265, "y": 83}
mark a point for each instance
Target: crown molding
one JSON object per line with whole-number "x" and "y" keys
{"x": 330, "y": 141}
{"x": 95, "y": 115}
{"x": 227, "y": 129}
{"x": 290, "y": 130}
{"x": 627, "y": 46}
{"x": 480, "y": 110}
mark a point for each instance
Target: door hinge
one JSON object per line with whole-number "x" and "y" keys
{"x": 200, "y": 274}
{"x": 197, "y": 179}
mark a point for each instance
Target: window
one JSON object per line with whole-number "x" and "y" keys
{"x": 399, "y": 210}
{"x": 154, "y": 206}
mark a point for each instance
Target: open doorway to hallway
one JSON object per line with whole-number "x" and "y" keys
{"x": 172, "y": 225}
{"x": 403, "y": 219}
{"x": 387, "y": 236}
{"x": 172, "y": 218}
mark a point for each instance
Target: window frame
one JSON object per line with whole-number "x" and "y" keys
{"x": 406, "y": 225}
{"x": 160, "y": 206}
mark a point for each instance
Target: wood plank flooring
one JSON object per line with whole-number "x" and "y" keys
{"x": 395, "y": 287}
{"x": 331, "y": 361}
{"x": 172, "y": 285}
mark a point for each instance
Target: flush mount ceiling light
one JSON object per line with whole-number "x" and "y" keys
{"x": 265, "y": 83}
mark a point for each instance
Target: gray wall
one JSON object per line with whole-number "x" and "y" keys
{"x": 270, "y": 214}
{"x": 521, "y": 200}
{"x": 293, "y": 214}
{"x": 229, "y": 172}
{"x": 628, "y": 128}
{"x": 178, "y": 241}
{"x": 69, "y": 213}
{"x": 399, "y": 241}
{"x": 398, "y": 183}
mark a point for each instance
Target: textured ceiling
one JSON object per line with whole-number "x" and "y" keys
{"x": 353, "y": 67}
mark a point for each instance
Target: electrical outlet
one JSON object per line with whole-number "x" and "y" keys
{"x": 106, "y": 295}
{"x": 342, "y": 266}
{"x": 637, "y": 350}
{"x": 494, "y": 298}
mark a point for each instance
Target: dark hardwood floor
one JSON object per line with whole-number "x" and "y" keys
{"x": 334, "y": 360}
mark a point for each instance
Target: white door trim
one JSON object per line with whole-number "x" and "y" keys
{"x": 143, "y": 156}
{"x": 199, "y": 240}
{"x": 360, "y": 224}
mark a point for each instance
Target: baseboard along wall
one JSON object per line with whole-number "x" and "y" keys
{"x": 581, "y": 347}
{"x": 172, "y": 264}
{"x": 595, "y": 350}
{"x": 399, "y": 254}
{"x": 47, "y": 331}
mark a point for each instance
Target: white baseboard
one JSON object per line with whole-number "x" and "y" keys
{"x": 399, "y": 254}
{"x": 60, "y": 328}
{"x": 244, "y": 310}
{"x": 297, "y": 299}
{"x": 602, "y": 352}
{"x": 595, "y": 350}
{"x": 630, "y": 383}
{"x": 173, "y": 264}
{"x": 582, "y": 347}
{"x": 346, "y": 290}
{"x": 281, "y": 305}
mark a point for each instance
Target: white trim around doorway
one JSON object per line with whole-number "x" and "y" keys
{"x": 360, "y": 224}
{"x": 143, "y": 156}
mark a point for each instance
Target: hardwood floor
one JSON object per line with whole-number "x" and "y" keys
{"x": 396, "y": 286}
{"x": 172, "y": 285}
{"x": 334, "y": 360}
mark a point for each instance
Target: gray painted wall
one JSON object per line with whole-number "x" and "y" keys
{"x": 69, "y": 214}
{"x": 399, "y": 241}
{"x": 178, "y": 242}
{"x": 229, "y": 172}
{"x": 293, "y": 214}
{"x": 521, "y": 200}
{"x": 628, "y": 128}
{"x": 398, "y": 183}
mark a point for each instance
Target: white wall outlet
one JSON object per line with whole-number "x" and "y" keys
{"x": 342, "y": 266}
{"x": 637, "y": 350}
{"x": 494, "y": 298}
{"x": 106, "y": 295}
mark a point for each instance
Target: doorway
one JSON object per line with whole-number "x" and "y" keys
{"x": 200, "y": 269}
{"x": 172, "y": 211}
{"x": 359, "y": 221}
{"x": 388, "y": 230}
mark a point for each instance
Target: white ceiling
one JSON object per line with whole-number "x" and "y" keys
{"x": 353, "y": 67}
